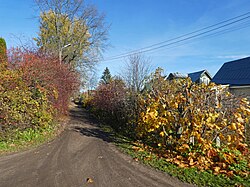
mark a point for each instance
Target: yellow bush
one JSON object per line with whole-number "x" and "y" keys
{"x": 21, "y": 106}
{"x": 194, "y": 124}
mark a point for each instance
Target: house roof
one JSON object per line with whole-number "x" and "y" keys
{"x": 236, "y": 72}
{"x": 196, "y": 75}
{"x": 177, "y": 75}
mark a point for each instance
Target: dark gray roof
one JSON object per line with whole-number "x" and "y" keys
{"x": 177, "y": 75}
{"x": 234, "y": 73}
{"x": 195, "y": 76}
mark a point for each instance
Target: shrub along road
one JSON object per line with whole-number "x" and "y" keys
{"x": 82, "y": 155}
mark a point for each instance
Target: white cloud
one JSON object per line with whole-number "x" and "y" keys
{"x": 232, "y": 56}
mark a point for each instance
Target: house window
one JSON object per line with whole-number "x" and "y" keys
{"x": 205, "y": 80}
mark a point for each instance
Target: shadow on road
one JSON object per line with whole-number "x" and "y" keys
{"x": 94, "y": 132}
{"x": 87, "y": 125}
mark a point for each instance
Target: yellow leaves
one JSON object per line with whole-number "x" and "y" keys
{"x": 191, "y": 162}
{"x": 153, "y": 114}
{"x": 182, "y": 165}
{"x": 194, "y": 109}
{"x": 151, "y": 130}
{"x": 201, "y": 159}
{"x": 229, "y": 138}
{"x": 60, "y": 29}
{"x": 219, "y": 105}
{"x": 240, "y": 132}
{"x": 186, "y": 146}
{"x": 240, "y": 120}
{"x": 183, "y": 148}
{"x": 55, "y": 93}
{"x": 233, "y": 126}
{"x": 137, "y": 148}
{"x": 176, "y": 161}
{"x": 216, "y": 169}
{"x": 162, "y": 134}
{"x": 244, "y": 100}
{"x": 89, "y": 180}
{"x": 212, "y": 118}
{"x": 208, "y": 120}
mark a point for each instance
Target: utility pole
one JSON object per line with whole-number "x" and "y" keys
{"x": 60, "y": 52}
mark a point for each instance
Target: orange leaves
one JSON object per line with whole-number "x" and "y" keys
{"x": 191, "y": 162}
{"x": 243, "y": 148}
{"x": 184, "y": 148}
{"x": 211, "y": 153}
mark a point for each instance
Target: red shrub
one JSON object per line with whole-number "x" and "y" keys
{"x": 44, "y": 70}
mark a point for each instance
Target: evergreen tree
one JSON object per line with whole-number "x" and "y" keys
{"x": 106, "y": 77}
{"x": 3, "y": 50}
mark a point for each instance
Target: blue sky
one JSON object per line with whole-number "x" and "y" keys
{"x": 139, "y": 23}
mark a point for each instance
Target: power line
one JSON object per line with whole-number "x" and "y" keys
{"x": 211, "y": 35}
{"x": 147, "y": 49}
{"x": 185, "y": 37}
{"x": 134, "y": 51}
{"x": 206, "y": 35}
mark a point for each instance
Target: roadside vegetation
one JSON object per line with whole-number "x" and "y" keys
{"x": 36, "y": 83}
{"x": 190, "y": 175}
{"x": 189, "y": 130}
{"x": 34, "y": 93}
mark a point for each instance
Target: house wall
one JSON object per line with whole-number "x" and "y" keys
{"x": 240, "y": 91}
{"x": 204, "y": 79}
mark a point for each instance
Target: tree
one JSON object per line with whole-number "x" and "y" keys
{"x": 74, "y": 31}
{"x": 136, "y": 71}
{"x": 3, "y": 50}
{"x": 69, "y": 43}
{"x": 106, "y": 77}
{"x": 92, "y": 80}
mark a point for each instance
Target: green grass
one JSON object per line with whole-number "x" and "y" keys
{"x": 189, "y": 175}
{"x": 22, "y": 140}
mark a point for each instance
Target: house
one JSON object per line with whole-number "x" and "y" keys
{"x": 235, "y": 74}
{"x": 172, "y": 76}
{"x": 200, "y": 77}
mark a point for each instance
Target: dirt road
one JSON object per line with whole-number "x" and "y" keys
{"x": 81, "y": 156}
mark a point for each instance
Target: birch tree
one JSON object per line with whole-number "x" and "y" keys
{"x": 72, "y": 30}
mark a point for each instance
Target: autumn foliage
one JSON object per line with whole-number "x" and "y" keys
{"x": 110, "y": 104}
{"x": 20, "y": 106}
{"x": 34, "y": 89}
{"x": 196, "y": 125}
{"x": 59, "y": 80}
{"x": 188, "y": 124}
